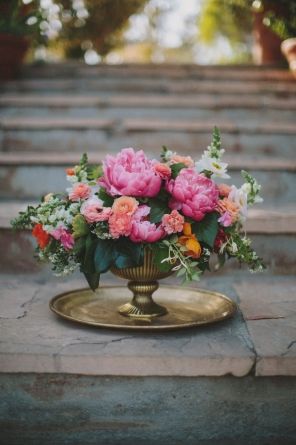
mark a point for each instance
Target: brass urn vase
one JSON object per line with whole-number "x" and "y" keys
{"x": 142, "y": 282}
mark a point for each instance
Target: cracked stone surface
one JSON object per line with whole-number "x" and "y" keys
{"x": 269, "y": 308}
{"x": 35, "y": 340}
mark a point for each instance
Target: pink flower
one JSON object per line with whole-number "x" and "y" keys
{"x": 143, "y": 230}
{"x": 130, "y": 173}
{"x": 64, "y": 236}
{"x": 186, "y": 160}
{"x": 125, "y": 205}
{"x": 93, "y": 210}
{"x": 173, "y": 222}
{"x": 225, "y": 220}
{"x": 79, "y": 191}
{"x": 162, "y": 170}
{"x": 231, "y": 208}
{"x": 192, "y": 193}
{"x": 120, "y": 225}
{"x": 224, "y": 190}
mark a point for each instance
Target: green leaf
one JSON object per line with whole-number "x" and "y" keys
{"x": 128, "y": 254}
{"x": 104, "y": 255}
{"x": 93, "y": 279}
{"x": 88, "y": 265}
{"x": 161, "y": 252}
{"x": 80, "y": 226}
{"x": 94, "y": 172}
{"x": 176, "y": 168}
{"x": 107, "y": 199}
{"x": 79, "y": 247}
{"x": 206, "y": 230}
{"x": 158, "y": 209}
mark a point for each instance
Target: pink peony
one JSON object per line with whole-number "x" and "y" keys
{"x": 93, "y": 210}
{"x": 162, "y": 170}
{"x": 143, "y": 230}
{"x": 192, "y": 193}
{"x": 173, "y": 222}
{"x": 130, "y": 173}
{"x": 64, "y": 236}
{"x": 79, "y": 191}
{"x": 120, "y": 225}
{"x": 125, "y": 205}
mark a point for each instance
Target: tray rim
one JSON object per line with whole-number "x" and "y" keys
{"x": 159, "y": 328}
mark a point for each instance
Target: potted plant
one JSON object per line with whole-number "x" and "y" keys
{"x": 15, "y": 34}
{"x": 284, "y": 25}
{"x": 143, "y": 220}
{"x": 240, "y": 19}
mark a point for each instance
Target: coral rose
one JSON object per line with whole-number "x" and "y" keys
{"x": 120, "y": 225}
{"x": 162, "y": 170}
{"x": 186, "y": 160}
{"x": 94, "y": 211}
{"x": 130, "y": 173}
{"x": 125, "y": 205}
{"x": 173, "y": 222}
{"x": 227, "y": 207}
{"x": 79, "y": 191}
{"x": 193, "y": 194}
{"x": 224, "y": 190}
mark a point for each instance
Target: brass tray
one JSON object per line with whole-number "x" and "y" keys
{"x": 187, "y": 307}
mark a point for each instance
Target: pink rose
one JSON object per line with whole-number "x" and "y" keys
{"x": 225, "y": 220}
{"x": 130, "y": 173}
{"x": 192, "y": 193}
{"x": 143, "y": 230}
{"x": 120, "y": 225}
{"x": 125, "y": 205}
{"x": 93, "y": 210}
{"x": 79, "y": 191}
{"x": 162, "y": 170}
{"x": 173, "y": 222}
{"x": 64, "y": 236}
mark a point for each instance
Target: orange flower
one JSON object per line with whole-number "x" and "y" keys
{"x": 189, "y": 240}
{"x": 70, "y": 171}
{"x": 41, "y": 236}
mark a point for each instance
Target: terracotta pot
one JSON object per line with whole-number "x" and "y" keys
{"x": 12, "y": 52}
{"x": 267, "y": 44}
{"x": 289, "y": 50}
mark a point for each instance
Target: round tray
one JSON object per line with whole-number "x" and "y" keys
{"x": 187, "y": 307}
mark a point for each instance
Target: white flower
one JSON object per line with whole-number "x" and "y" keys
{"x": 72, "y": 178}
{"x": 240, "y": 198}
{"x": 233, "y": 247}
{"x": 213, "y": 165}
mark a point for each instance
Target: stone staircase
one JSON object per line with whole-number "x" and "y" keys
{"x": 49, "y": 117}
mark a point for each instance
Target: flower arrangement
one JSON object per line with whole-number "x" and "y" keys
{"x": 174, "y": 207}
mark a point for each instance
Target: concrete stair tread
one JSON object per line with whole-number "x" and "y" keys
{"x": 153, "y": 100}
{"x": 260, "y": 342}
{"x": 236, "y": 161}
{"x": 279, "y": 220}
{"x": 227, "y": 126}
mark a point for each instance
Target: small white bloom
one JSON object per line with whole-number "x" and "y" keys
{"x": 240, "y": 198}
{"x": 213, "y": 165}
{"x": 233, "y": 247}
{"x": 72, "y": 178}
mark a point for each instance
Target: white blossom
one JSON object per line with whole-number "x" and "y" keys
{"x": 213, "y": 165}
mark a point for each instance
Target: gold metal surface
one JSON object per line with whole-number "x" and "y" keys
{"x": 187, "y": 307}
{"x": 143, "y": 283}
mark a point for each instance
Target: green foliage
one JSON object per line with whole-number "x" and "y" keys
{"x": 207, "y": 229}
{"x": 176, "y": 168}
{"x": 160, "y": 253}
{"x": 104, "y": 255}
{"x": 14, "y": 15}
{"x": 107, "y": 199}
{"x": 158, "y": 209}
{"x": 23, "y": 221}
{"x": 80, "y": 226}
{"x": 282, "y": 21}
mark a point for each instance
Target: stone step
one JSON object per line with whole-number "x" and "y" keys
{"x": 40, "y": 133}
{"x": 273, "y": 232}
{"x": 32, "y": 175}
{"x": 231, "y": 72}
{"x": 149, "y": 85}
{"x": 261, "y": 109}
{"x": 62, "y": 382}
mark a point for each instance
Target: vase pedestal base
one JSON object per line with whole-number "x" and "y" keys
{"x": 184, "y": 308}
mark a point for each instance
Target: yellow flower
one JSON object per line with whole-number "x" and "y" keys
{"x": 190, "y": 241}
